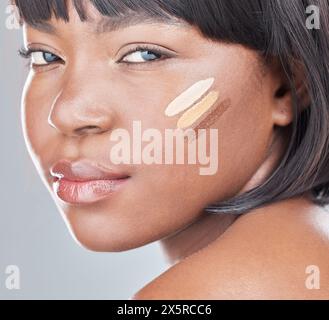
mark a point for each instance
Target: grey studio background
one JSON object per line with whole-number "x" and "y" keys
{"x": 32, "y": 233}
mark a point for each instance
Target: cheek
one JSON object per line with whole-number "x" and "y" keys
{"x": 39, "y": 136}
{"x": 144, "y": 97}
{"x": 245, "y": 131}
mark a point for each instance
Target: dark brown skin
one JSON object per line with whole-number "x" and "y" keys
{"x": 260, "y": 255}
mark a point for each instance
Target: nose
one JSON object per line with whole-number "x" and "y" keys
{"x": 81, "y": 111}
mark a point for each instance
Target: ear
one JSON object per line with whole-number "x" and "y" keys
{"x": 283, "y": 93}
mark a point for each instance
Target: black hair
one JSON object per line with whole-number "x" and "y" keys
{"x": 274, "y": 28}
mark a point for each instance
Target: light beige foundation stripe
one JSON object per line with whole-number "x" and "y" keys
{"x": 196, "y": 112}
{"x": 189, "y": 97}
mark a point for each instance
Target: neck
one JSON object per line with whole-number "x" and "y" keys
{"x": 196, "y": 236}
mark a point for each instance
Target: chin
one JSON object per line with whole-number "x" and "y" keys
{"x": 102, "y": 242}
{"x": 106, "y": 234}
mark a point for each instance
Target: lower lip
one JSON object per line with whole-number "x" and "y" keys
{"x": 75, "y": 192}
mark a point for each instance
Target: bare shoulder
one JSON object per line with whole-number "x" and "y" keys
{"x": 276, "y": 252}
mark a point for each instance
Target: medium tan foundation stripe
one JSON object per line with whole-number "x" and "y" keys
{"x": 193, "y": 114}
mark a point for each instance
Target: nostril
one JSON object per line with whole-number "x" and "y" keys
{"x": 88, "y": 130}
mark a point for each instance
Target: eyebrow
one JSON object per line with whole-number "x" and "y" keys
{"x": 111, "y": 24}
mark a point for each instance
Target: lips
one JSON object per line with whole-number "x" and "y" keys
{"x": 83, "y": 182}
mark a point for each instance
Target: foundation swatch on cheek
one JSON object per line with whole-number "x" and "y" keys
{"x": 189, "y": 97}
{"x": 198, "y": 111}
{"x": 211, "y": 116}
{"x": 201, "y": 108}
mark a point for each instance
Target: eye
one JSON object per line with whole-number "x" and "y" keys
{"x": 141, "y": 56}
{"x": 43, "y": 58}
{"x": 144, "y": 55}
{"x": 39, "y": 57}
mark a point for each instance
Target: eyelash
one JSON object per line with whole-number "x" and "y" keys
{"x": 27, "y": 53}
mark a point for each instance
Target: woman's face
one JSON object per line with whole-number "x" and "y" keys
{"x": 73, "y": 104}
